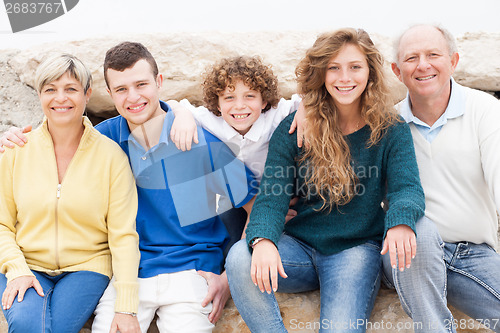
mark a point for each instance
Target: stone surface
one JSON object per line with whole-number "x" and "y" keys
{"x": 301, "y": 315}
{"x": 182, "y": 57}
{"x": 19, "y": 103}
{"x": 479, "y": 64}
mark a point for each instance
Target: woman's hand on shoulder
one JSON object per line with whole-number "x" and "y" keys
{"x": 17, "y": 287}
{"x": 266, "y": 264}
{"x": 401, "y": 243}
{"x": 14, "y": 136}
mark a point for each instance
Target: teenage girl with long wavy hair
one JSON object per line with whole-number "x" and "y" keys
{"x": 358, "y": 153}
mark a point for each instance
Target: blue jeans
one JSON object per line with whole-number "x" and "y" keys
{"x": 348, "y": 283}
{"x": 70, "y": 299}
{"x": 464, "y": 275}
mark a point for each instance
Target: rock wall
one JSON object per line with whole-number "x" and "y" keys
{"x": 183, "y": 57}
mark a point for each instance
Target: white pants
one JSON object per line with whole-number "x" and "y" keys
{"x": 175, "y": 297}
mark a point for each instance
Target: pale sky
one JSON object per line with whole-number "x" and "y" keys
{"x": 92, "y": 18}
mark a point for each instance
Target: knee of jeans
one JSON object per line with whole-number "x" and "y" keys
{"x": 24, "y": 321}
{"x": 238, "y": 260}
{"x": 428, "y": 237}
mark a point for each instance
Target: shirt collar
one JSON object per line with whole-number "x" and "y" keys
{"x": 253, "y": 134}
{"x": 256, "y": 130}
{"x": 167, "y": 124}
{"x": 87, "y": 128}
{"x": 455, "y": 108}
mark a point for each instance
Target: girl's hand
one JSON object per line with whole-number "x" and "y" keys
{"x": 266, "y": 264}
{"x": 401, "y": 243}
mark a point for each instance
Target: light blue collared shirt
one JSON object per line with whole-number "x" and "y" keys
{"x": 455, "y": 108}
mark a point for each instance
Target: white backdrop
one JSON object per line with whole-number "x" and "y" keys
{"x": 389, "y": 17}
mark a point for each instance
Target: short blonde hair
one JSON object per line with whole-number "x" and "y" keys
{"x": 53, "y": 67}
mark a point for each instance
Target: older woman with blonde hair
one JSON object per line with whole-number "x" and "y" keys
{"x": 358, "y": 152}
{"x": 67, "y": 213}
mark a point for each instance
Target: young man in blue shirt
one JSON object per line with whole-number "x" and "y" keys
{"x": 181, "y": 237}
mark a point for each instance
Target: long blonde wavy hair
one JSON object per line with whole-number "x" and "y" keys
{"x": 327, "y": 155}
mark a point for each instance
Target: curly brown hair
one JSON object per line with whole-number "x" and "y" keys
{"x": 250, "y": 70}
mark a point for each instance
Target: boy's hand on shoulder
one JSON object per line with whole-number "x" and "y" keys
{"x": 14, "y": 136}
{"x": 218, "y": 294}
{"x": 184, "y": 130}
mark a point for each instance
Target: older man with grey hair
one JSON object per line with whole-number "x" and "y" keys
{"x": 456, "y": 133}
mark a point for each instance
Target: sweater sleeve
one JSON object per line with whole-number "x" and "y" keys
{"x": 267, "y": 219}
{"x": 122, "y": 236}
{"x": 12, "y": 261}
{"x": 404, "y": 191}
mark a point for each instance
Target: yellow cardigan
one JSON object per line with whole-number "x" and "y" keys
{"x": 80, "y": 224}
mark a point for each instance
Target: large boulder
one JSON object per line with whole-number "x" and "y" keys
{"x": 479, "y": 64}
{"x": 182, "y": 57}
{"x": 19, "y": 103}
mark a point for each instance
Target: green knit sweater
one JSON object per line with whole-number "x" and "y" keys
{"x": 385, "y": 170}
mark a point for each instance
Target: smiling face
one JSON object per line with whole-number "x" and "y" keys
{"x": 135, "y": 92}
{"x": 424, "y": 63}
{"x": 346, "y": 77}
{"x": 64, "y": 100}
{"x": 241, "y": 107}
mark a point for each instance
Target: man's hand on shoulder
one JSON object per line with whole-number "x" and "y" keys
{"x": 14, "y": 136}
{"x": 218, "y": 294}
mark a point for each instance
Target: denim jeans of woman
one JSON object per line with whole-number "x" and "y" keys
{"x": 70, "y": 299}
{"x": 464, "y": 275}
{"x": 348, "y": 283}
